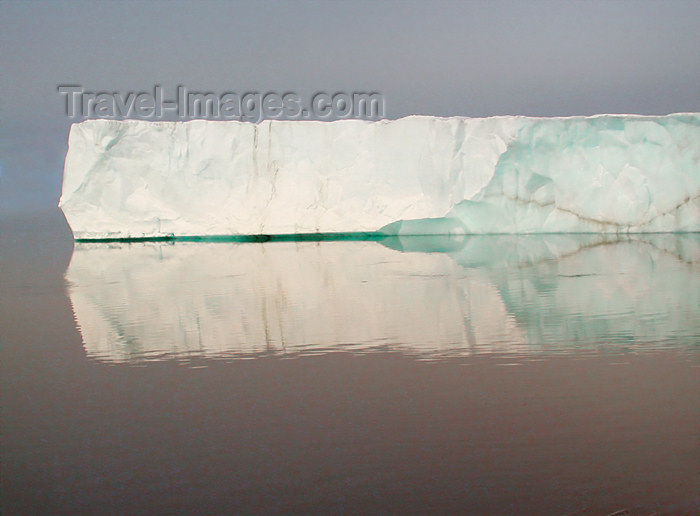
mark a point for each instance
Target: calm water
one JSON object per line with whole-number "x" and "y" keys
{"x": 484, "y": 375}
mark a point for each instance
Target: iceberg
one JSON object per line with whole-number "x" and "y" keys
{"x": 416, "y": 175}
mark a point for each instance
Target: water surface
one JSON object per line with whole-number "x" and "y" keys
{"x": 484, "y": 375}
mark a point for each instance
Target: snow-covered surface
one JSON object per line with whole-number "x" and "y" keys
{"x": 458, "y": 297}
{"x": 607, "y": 173}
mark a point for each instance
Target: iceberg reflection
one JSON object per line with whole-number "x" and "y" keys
{"x": 431, "y": 297}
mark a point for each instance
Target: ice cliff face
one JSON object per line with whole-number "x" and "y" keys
{"x": 608, "y": 173}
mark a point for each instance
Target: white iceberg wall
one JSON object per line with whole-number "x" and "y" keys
{"x": 610, "y": 173}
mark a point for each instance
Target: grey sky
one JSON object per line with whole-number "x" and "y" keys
{"x": 476, "y": 58}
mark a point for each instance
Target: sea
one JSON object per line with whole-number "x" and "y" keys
{"x": 492, "y": 374}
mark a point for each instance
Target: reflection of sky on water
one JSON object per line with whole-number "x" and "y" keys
{"x": 430, "y": 297}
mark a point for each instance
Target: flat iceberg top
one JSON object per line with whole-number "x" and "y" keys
{"x": 415, "y": 175}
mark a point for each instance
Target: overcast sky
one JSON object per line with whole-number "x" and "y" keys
{"x": 478, "y": 58}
